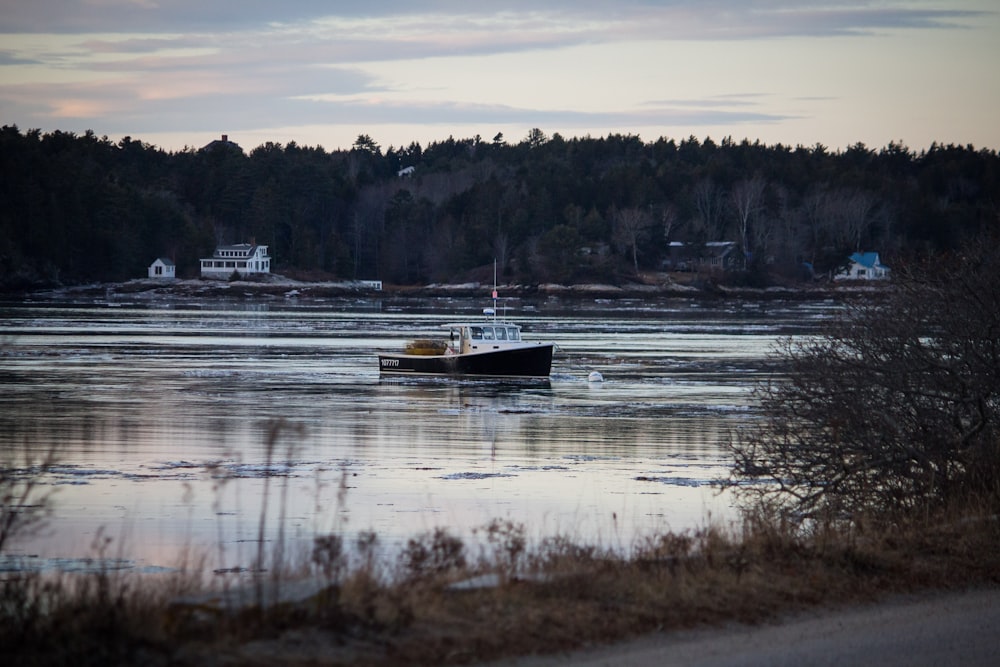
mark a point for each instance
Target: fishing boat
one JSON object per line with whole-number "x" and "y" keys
{"x": 488, "y": 348}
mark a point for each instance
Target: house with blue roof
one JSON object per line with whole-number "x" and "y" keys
{"x": 864, "y": 266}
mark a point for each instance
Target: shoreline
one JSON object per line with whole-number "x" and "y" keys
{"x": 279, "y": 287}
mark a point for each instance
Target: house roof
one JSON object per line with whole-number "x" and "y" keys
{"x": 866, "y": 259}
{"x": 719, "y": 248}
{"x": 240, "y": 250}
{"x": 165, "y": 261}
{"x": 224, "y": 142}
{"x": 713, "y": 246}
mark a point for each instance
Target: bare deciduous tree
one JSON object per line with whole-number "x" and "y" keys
{"x": 367, "y": 224}
{"x": 501, "y": 248}
{"x": 896, "y": 406}
{"x": 630, "y": 227}
{"x": 669, "y": 219}
{"x": 25, "y": 496}
{"x": 747, "y": 199}
{"x": 856, "y": 215}
{"x": 708, "y": 201}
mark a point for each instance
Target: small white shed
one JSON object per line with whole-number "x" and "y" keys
{"x": 162, "y": 268}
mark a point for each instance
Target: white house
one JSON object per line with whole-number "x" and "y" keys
{"x": 243, "y": 258}
{"x": 864, "y": 266}
{"x": 223, "y": 143}
{"x": 711, "y": 256}
{"x": 163, "y": 269}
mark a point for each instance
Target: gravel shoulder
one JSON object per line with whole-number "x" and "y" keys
{"x": 941, "y": 628}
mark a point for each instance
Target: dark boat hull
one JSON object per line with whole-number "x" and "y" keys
{"x": 528, "y": 361}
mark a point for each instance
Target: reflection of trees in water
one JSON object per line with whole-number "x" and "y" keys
{"x": 159, "y": 385}
{"x": 541, "y": 422}
{"x": 629, "y": 436}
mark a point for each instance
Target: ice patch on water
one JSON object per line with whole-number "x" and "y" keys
{"x": 475, "y": 475}
{"x": 74, "y": 471}
{"x": 73, "y": 475}
{"x": 16, "y": 563}
{"x": 675, "y": 481}
{"x": 211, "y": 373}
{"x": 70, "y": 475}
{"x": 253, "y": 470}
{"x": 156, "y": 569}
{"x": 239, "y": 470}
{"x": 168, "y": 465}
{"x": 729, "y": 408}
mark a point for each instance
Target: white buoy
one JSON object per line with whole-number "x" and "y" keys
{"x": 595, "y": 377}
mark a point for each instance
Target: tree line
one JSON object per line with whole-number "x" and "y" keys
{"x": 79, "y": 208}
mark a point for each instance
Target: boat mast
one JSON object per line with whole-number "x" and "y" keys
{"x": 494, "y": 313}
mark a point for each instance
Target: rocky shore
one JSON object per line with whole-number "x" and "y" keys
{"x": 276, "y": 287}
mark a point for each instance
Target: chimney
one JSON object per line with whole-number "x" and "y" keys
{"x": 225, "y": 137}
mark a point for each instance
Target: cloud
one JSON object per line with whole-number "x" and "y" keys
{"x": 681, "y": 19}
{"x": 145, "y": 66}
{"x": 116, "y": 16}
{"x": 246, "y": 110}
{"x": 12, "y": 58}
{"x": 307, "y": 34}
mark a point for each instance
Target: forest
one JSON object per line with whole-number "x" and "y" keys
{"x": 82, "y": 208}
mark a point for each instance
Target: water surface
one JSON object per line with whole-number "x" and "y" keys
{"x": 159, "y": 412}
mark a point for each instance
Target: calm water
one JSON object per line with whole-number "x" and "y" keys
{"x": 159, "y": 413}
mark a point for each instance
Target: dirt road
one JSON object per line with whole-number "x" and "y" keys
{"x": 931, "y": 629}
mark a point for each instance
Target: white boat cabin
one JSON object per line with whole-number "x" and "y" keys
{"x": 468, "y": 338}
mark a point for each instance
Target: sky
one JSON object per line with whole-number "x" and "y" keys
{"x": 180, "y": 73}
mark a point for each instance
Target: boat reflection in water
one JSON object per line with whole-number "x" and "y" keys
{"x": 159, "y": 414}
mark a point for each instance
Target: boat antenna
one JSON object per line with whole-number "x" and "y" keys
{"x": 492, "y": 312}
{"x": 494, "y": 288}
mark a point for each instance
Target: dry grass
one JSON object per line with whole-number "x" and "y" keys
{"x": 445, "y": 602}
{"x": 553, "y": 596}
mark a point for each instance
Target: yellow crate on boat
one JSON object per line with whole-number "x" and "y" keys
{"x": 426, "y": 347}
